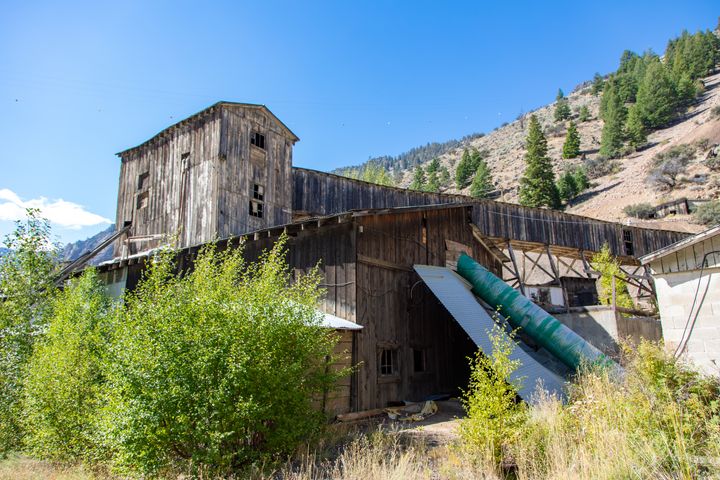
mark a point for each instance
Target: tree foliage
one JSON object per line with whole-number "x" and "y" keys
{"x": 482, "y": 183}
{"x": 657, "y": 97}
{"x": 419, "y": 180}
{"x": 584, "y": 114}
{"x": 464, "y": 170}
{"x": 562, "y": 107}
{"x": 372, "y": 173}
{"x": 26, "y": 292}
{"x": 609, "y": 268}
{"x": 537, "y": 185}
{"x": 708, "y": 213}
{"x": 571, "y": 147}
{"x": 64, "y": 381}
{"x": 613, "y": 114}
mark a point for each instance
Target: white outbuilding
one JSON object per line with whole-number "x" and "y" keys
{"x": 687, "y": 282}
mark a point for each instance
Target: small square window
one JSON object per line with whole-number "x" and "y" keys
{"x": 258, "y": 139}
{"x": 419, "y": 364}
{"x": 388, "y": 362}
{"x": 143, "y": 180}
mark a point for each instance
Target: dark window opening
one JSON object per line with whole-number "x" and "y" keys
{"x": 143, "y": 180}
{"x": 258, "y": 192}
{"x": 257, "y": 201}
{"x": 256, "y": 209}
{"x": 628, "y": 241}
{"x": 419, "y": 364}
{"x": 388, "y": 362}
{"x": 142, "y": 200}
{"x": 258, "y": 139}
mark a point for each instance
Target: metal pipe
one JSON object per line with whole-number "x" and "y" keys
{"x": 546, "y": 330}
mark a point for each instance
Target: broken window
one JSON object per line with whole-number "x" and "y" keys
{"x": 419, "y": 364}
{"x": 142, "y": 200}
{"x": 388, "y": 362}
{"x": 257, "y": 201}
{"x": 143, "y": 180}
{"x": 628, "y": 242}
{"x": 258, "y": 139}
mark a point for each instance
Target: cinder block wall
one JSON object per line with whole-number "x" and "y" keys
{"x": 676, "y": 292}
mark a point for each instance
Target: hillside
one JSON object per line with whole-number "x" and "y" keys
{"x": 73, "y": 250}
{"x": 625, "y": 184}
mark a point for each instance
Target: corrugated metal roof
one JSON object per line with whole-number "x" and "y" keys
{"x": 677, "y": 246}
{"x": 331, "y": 321}
{"x": 454, "y": 293}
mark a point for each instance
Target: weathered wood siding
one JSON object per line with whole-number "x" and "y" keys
{"x": 243, "y": 164}
{"x": 398, "y": 312}
{"x": 318, "y": 193}
{"x": 200, "y": 177}
{"x": 179, "y": 166}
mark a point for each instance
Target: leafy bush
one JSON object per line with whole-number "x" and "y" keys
{"x": 218, "y": 368}
{"x": 609, "y": 268}
{"x": 600, "y": 166}
{"x": 27, "y": 287}
{"x": 64, "y": 379}
{"x": 708, "y": 213}
{"x": 640, "y": 210}
{"x": 494, "y": 415}
{"x": 669, "y": 165}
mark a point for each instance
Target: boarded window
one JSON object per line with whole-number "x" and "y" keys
{"x": 142, "y": 200}
{"x": 388, "y": 362}
{"x": 143, "y": 181}
{"x": 258, "y": 139}
{"x": 628, "y": 241}
{"x": 257, "y": 201}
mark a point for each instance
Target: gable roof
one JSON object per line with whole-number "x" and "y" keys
{"x": 207, "y": 110}
{"x": 677, "y": 246}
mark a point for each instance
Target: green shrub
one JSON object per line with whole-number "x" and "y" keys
{"x": 640, "y": 210}
{"x": 494, "y": 416}
{"x": 708, "y": 213}
{"x": 609, "y": 268}
{"x": 218, "y": 368}
{"x": 63, "y": 381}
{"x": 600, "y": 166}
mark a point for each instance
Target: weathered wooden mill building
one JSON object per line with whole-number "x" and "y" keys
{"x": 227, "y": 172}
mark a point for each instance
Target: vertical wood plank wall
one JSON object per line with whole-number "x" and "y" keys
{"x": 319, "y": 193}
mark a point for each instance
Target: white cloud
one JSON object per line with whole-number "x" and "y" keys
{"x": 60, "y": 212}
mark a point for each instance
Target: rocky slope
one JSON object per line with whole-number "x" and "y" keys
{"x": 627, "y": 184}
{"x": 71, "y": 251}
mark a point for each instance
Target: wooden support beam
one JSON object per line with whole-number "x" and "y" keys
{"x": 514, "y": 264}
{"x": 557, "y": 277}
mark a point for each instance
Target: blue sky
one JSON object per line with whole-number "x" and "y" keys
{"x": 80, "y": 81}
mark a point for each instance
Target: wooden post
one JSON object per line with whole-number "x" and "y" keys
{"x": 557, "y": 278}
{"x": 514, "y": 263}
{"x": 614, "y": 295}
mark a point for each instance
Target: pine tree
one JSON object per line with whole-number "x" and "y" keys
{"x": 562, "y": 108}
{"x": 567, "y": 186}
{"x": 537, "y": 185}
{"x": 571, "y": 147}
{"x": 433, "y": 182}
{"x": 433, "y": 166}
{"x": 634, "y": 128}
{"x": 598, "y": 84}
{"x": 611, "y": 143}
{"x": 482, "y": 183}
{"x": 657, "y": 99}
{"x": 464, "y": 170}
{"x": 584, "y": 114}
{"x": 444, "y": 176}
{"x": 419, "y": 180}
{"x": 581, "y": 180}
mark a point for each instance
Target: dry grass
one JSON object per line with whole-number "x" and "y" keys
{"x": 23, "y": 468}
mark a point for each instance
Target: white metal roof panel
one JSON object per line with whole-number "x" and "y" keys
{"x": 454, "y": 293}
